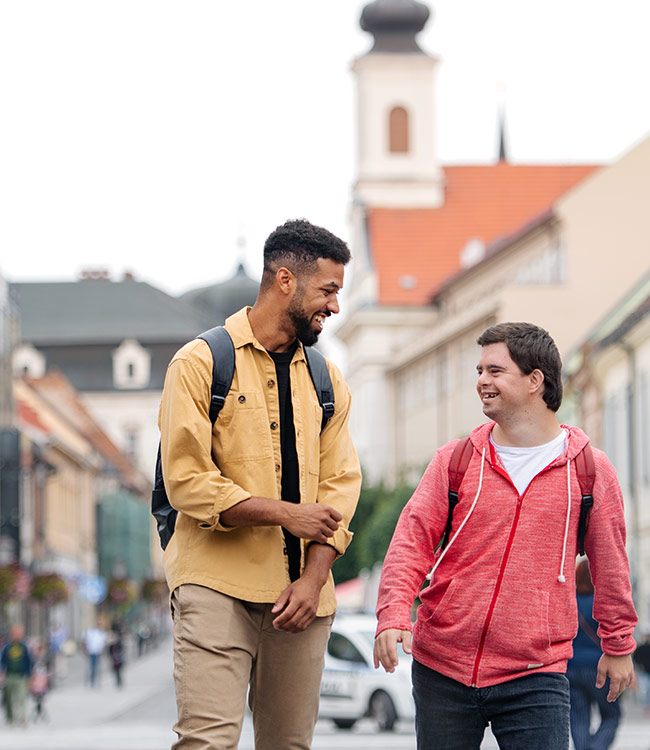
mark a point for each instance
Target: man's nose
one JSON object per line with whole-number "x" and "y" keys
{"x": 333, "y": 305}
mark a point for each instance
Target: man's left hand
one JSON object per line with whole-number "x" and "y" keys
{"x": 620, "y": 671}
{"x": 297, "y": 605}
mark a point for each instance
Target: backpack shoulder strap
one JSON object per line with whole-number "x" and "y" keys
{"x": 223, "y": 366}
{"x": 457, "y": 467}
{"x": 320, "y": 375}
{"x": 586, "y": 471}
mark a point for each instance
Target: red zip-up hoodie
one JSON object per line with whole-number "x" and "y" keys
{"x": 501, "y": 603}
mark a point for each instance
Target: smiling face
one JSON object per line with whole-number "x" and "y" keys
{"x": 505, "y": 391}
{"x": 315, "y": 299}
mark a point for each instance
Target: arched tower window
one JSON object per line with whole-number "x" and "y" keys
{"x": 398, "y": 131}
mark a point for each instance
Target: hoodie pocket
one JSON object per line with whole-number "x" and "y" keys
{"x": 518, "y": 632}
{"x": 452, "y": 619}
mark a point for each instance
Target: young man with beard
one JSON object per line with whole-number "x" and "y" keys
{"x": 496, "y": 624}
{"x": 264, "y": 499}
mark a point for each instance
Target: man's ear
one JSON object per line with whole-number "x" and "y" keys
{"x": 536, "y": 378}
{"x": 285, "y": 280}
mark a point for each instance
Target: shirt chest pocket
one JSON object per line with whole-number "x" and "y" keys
{"x": 243, "y": 428}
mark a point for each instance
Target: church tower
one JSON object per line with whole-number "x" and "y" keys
{"x": 397, "y": 160}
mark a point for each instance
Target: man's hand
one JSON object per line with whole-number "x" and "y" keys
{"x": 315, "y": 522}
{"x": 297, "y": 605}
{"x": 620, "y": 671}
{"x": 385, "y": 652}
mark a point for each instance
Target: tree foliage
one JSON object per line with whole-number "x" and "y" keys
{"x": 373, "y": 525}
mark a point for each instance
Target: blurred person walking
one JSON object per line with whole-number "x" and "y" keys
{"x": 94, "y": 643}
{"x": 39, "y": 682}
{"x": 582, "y": 672}
{"x": 641, "y": 659}
{"x": 116, "y": 652}
{"x": 264, "y": 498}
{"x": 16, "y": 665}
{"x": 494, "y": 631}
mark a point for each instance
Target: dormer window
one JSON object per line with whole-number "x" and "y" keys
{"x": 398, "y": 131}
{"x": 28, "y": 361}
{"x": 131, "y": 365}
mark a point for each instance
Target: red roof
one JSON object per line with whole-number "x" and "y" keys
{"x": 482, "y": 202}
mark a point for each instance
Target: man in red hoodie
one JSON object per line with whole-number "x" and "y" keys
{"x": 494, "y": 631}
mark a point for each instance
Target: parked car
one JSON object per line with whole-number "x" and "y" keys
{"x": 352, "y": 688}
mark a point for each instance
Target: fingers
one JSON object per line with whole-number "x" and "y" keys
{"x": 385, "y": 650}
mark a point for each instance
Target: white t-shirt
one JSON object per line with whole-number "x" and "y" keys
{"x": 523, "y": 464}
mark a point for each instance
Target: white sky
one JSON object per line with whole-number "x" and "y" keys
{"x": 149, "y": 135}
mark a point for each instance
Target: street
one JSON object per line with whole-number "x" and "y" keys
{"x": 141, "y": 714}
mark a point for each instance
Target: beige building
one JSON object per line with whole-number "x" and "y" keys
{"x": 608, "y": 393}
{"x": 416, "y": 223}
{"x": 562, "y": 271}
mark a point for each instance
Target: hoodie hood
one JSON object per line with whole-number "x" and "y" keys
{"x": 576, "y": 441}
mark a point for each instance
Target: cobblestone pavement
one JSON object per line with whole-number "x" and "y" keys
{"x": 140, "y": 716}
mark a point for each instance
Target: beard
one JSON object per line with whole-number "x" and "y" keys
{"x": 305, "y": 332}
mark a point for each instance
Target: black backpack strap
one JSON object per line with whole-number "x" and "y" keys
{"x": 586, "y": 471}
{"x": 223, "y": 367}
{"x": 320, "y": 375}
{"x": 458, "y": 464}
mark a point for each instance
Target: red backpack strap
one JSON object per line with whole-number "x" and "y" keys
{"x": 458, "y": 463}
{"x": 586, "y": 471}
{"x": 457, "y": 467}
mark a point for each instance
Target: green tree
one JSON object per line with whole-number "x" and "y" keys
{"x": 373, "y": 525}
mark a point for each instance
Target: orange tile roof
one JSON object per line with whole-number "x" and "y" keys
{"x": 483, "y": 202}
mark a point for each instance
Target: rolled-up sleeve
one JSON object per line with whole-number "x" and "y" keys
{"x": 193, "y": 482}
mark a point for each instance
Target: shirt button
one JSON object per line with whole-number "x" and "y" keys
{"x": 286, "y": 551}
{"x": 241, "y": 399}
{"x": 277, "y": 467}
{"x": 274, "y": 425}
{"x": 270, "y": 383}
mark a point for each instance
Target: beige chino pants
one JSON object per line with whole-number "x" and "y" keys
{"x": 221, "y": 646}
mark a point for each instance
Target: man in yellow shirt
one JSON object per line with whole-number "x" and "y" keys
{"x": 264, "y": 500}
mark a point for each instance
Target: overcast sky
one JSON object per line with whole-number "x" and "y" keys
{"x": 156, "y": 136}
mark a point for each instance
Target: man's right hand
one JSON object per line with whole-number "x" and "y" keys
{"x": 385, "y": 652}
{"x": 315, "y": 522}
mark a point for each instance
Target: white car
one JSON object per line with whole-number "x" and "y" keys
{"x": 352, "y": 688}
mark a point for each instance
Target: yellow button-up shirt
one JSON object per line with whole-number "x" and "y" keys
{"x": 209, "y": 469}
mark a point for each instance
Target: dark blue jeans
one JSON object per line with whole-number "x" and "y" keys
{"x": 529, "y": 713}
{"x": 584, "y": 695}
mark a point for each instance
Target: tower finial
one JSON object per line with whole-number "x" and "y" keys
{"x": 394, "y": 24}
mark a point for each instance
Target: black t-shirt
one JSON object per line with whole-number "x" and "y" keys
{"x": 290, "y": 472}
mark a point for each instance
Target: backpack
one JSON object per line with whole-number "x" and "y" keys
{"x": 223, "y": 368}
{"x": 585, "y": 468}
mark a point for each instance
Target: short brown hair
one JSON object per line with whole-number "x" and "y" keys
{"x": 531, "y": 348}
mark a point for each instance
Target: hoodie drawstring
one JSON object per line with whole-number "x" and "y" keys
{"x": 460, "y": 528}
{"x": 561, "y": 578}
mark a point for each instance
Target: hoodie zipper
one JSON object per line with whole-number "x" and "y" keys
{"x": 511, "y": 536}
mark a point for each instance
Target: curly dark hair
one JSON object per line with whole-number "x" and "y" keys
{"x": 531, "y": 348}
{"x": 298, "y": 244}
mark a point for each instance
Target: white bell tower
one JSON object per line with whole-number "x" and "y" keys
{"x": 397, "y": 161}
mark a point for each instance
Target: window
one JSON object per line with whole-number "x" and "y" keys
{"x": 131, "y": 365}
{"x": 28, "y": 361}
{"x": 340, "y": 647}
{"x": 398, "y": 131}
{"x": 547, "y": 268}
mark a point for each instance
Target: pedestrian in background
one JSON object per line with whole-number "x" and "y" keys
{"x": 15, "y": 669}
{"x": 39, "y": 682}
{"x": 582, "y": 671}
{"x": 264, "y": 498}
{"x": 94, "y": 643}
{"x": 641, "y": 659}
{"x": 116, "y": 652}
